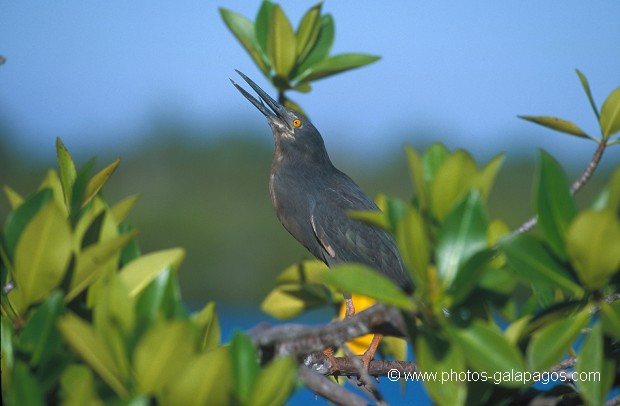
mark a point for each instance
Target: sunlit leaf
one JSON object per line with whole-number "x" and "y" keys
{"x": 289, "y": 300}
{"x": 461, "y": 235}
{"x": 261, "y": 27}
{"x": 13, "y": 197}
{"x": 138, "y": 273}
{"x": 306, "y": 271}
{"x": 67, "y": 170}
{"x": 610, "y": 114}
{"x": 416, "y": 172}
{"x": 414, "y": 247}
{"x": 282, "y": 44}
{"x": 592, "y": 360}
{"x": 488, "y": 350}
{"x": 78, "y": 387}
{"x": 42, "y": 254}
{"x": 122, "y": 208}
{"x": 357, "y": 278}
{"x": 275, "y": 383}
{"x": 321, "y": 48}
{"x": 376, "y": 218}
{"x": 209, "y": 326}
{"x": 244, "y": 366}
{"x": 336, "y": 64}
{"x": 552, "y": 341}
{"x": 433, "y": 159}
{"x": 308, "y": 31}
{"x": 593, "y": 245}
{"x": 52, "y": 181}
{"x": 441, "y": 357}
{"x": 84, "y": 340}
{"x": 554, "y": 202}
{"x": 451, "y": 181}
{"x": 533, "y": 263}
{"x": 97, "y": 181}
{"x": 243, "y": 29}
{"x": 162, "y": 354}
{"x": 586, "y": 88}
{"x": 557, "y": 124}
{"x": 486, "y": 177}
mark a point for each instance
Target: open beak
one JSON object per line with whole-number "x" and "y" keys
{"x": 277, "y": 108}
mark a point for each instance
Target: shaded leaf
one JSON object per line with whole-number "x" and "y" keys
{"x": 281, "y": 44}
{"x": 261, "y": 27}
{"x": 91, "y": 348}
{"x": 416, "y": 171}
{"x": 122, "y": 208}
{"x": 488, "y": 350}
{"x": 554, "y": 202}
{"x": 586, "y": 88}
{"x": 610, "y": 114}
{"x": 557, "y": 124}
{"x": 36, "y": 334}
{"x": 244, "y": 366}
{"x": 336, "y": 64}
{"x": 321, "y": 48}
{"x": 357, "y": 278}
{"x": 25, "y": 389}
{"x": 433, "y": 159}
{"x": 66, "y": 168}
{"x": 462, "y": 234}
{"x": 138, "y": 273}
{"x": 162, "y": 354}
{"x": 552, "y": 341}
{"x": 78, "y": 387}
{"x": 376, "y": 218}
{"x": 613, "y": 192}
{"x": 243, "y": 29}
{"x": 486, "y": 177}
{"x": 593, "y": 242}
{"x": 592, "y": 360}
{"x": 610, "y": 315}
{"x": 42, "y": 255}
{"x": 275, "y": 383}
{"x": 530, "y": 260}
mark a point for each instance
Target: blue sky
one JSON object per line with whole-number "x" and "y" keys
{"x": 100, "y": 73}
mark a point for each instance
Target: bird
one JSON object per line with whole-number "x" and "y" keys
{"x": 311, "y": 198}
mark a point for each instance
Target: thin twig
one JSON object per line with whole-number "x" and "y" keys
{"x": 323, "y": 386}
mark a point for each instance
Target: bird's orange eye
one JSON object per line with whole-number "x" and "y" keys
{"x": 297, "y": 123}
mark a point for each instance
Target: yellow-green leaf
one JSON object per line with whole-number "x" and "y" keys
{"x": 592, "y": 243}
{"x": 93, "y": 260}
{"x": 122, "y": 208}
{"x": 416, "y": 171}
{"x": 209, "y": 326}
{"x": 453, "y": 178}
{"x": 97, "y": 181}
{"x": 307, "y": 271}
{"x": 308, "y": 31}
{"x": 68, "y": 173}
{"x": 243, "y": 29}
{"x": 78, "y": 387}
{"x": 52, "y": 181}
{"x": 486, "y": 177}
{"x": 557, "y": 124}
{"x": 275, "y": 383}
{"x": 593, "y": 362}
{"x": 162, "y": 354}
{"x": 414, "y": 247}
{"x": 139, "y": 272}
{"x": 586, "y": 88}
{"x": 610, "y": 114}
{"x": 14, "y": 198}
{"x": 91, "y": 348}
{"x": 282, "y": 43}
{"x": 42, "y": 254}
{"x": 289, "y": 300}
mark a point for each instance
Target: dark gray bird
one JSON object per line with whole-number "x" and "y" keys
{"x": 311, "y": 197}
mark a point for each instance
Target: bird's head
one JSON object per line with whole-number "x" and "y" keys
{"x": 291, "y": 130}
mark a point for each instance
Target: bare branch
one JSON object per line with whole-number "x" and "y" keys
{"x": 321, "y": 385}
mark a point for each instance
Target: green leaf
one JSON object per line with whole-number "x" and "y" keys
{"x": 336, "y": 64}
{"x": 243, "y": 29}
{"x": 97, "y": 181}
{"x": 282, "y": 44}
{"x": 78, "y": 386}
{"x": 84, "y": 340}
{"x": 205, "y": 381}
{"x": 275, "y": 384}
{"x": 19, "y": 218}
{"x": 91, "y": 262}
{"x": 433, "y": 159}
{"x": 552, "y": 341}
{"x": 67, "y": 170}
{"x": 209, "y": 327}
{"x": 42, "y": 255}
{"x": 6, "y": 344}
{"x": 610, "y": 315}
{"x": 376, "y": 218}
{"x": 469, "y": 273}
{"x": 557, "y": 124}
{"x": 442, "y": 358}
{"x": 162, "y": 354}
{"x": 462, "y": 234}
{"x": 488, "y": 350}
{"x": 591, "y": 362}
{"x": 586, "y": 88}
{"x": 308, "y": 31}
{"x": 610, "y": 114}
{"x": 554, "y": 203}
{"x": 13, "y": 197}
{"x": 321, "y": 48}
{"x": 533, "y": 263}
{"x": 122, "y": 208}
{"x": 306, "y": 271}
{"x": 416, "y": 171}
{"x": 451, "y": 181}
{"x": 486, "y": 177}
{"x": 261, "y": 26}
{"x": 36, "y": 334}
{"x": 613, "y": 192}
{"x": 593, "y": 242}
{"x": 414, "y": 247}
{"x": 138, "y": 273}
{"x": 244, "y": 366}
{"x": 25, "y": 390}
{"x": 357, "y": 278}
{"x": 289, "y": 300}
